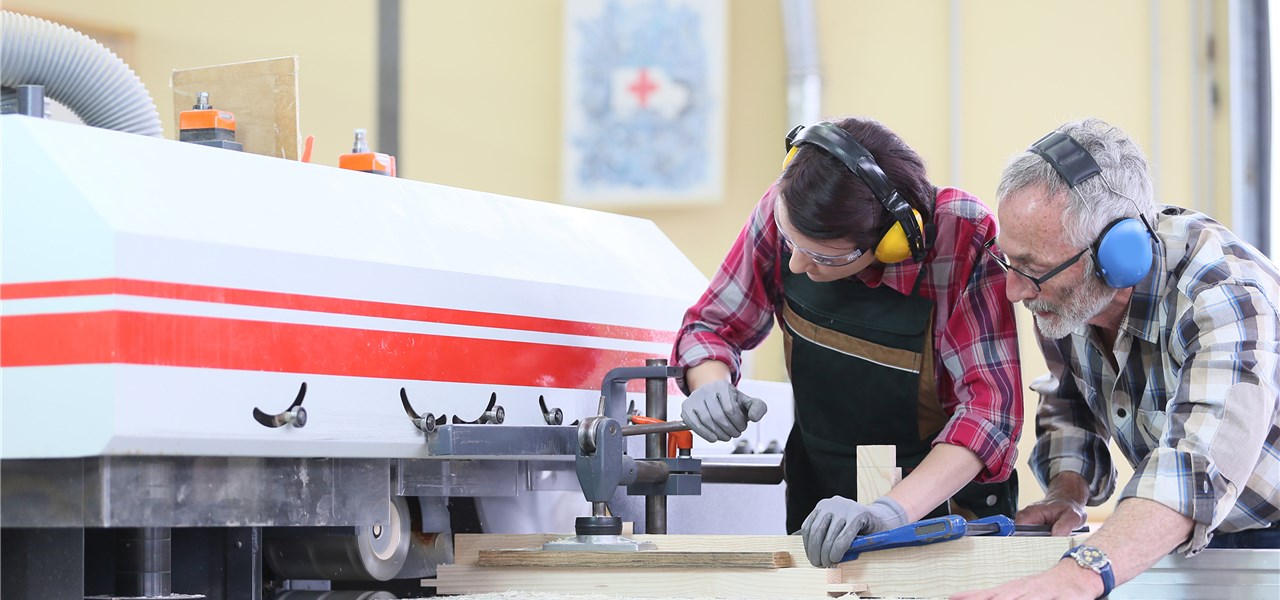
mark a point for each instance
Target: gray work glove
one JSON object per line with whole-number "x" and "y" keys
{"x": 719, "y": 411}
{"x": 835, "y": 521}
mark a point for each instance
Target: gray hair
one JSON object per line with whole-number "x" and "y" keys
{"x": 1123, "y": 190}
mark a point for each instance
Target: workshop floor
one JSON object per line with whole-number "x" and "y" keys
{"x": 546, "y": 596}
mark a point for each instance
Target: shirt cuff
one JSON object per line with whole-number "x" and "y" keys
{"x": 1054, "y": 454}
{"x": 696, "y": 348}
{"x": 1187, "y": 483}
{"x": 989, "y": 442}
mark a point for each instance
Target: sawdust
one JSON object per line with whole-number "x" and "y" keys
{"x": 548, "y": 596}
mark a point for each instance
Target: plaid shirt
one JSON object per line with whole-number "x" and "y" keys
{"x": 1195, "y": 407}
{"x": 975, "y": 340}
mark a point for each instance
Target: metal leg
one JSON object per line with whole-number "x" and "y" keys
{"x": 144, "y": 568}
{"x": 244, "y": 563}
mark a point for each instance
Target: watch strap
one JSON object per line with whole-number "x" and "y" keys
{"x": 1103, "y": 570}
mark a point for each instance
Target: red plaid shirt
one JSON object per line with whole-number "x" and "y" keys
{"x": 975, "y": 338}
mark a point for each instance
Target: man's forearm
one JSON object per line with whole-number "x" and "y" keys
{"x": 1139, "y": 533}
{"x": 1068, "y": 485}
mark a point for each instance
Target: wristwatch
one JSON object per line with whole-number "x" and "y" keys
{"x": 1095, "y": 560}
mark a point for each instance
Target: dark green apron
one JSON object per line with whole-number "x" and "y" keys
{"x": 862, "y": 373}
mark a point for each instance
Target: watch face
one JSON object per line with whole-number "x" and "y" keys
{"x": 1090, "y": 556}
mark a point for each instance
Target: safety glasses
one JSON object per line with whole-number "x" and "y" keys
{"x": 1035, "y": 281}
{"x": 820, "y": 259}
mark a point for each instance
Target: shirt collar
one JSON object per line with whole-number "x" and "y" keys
{"x": 1141, "y": 320}
{"x": 901, "y": 277}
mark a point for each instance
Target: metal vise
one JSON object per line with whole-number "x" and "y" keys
{"x": 602, "y": 462}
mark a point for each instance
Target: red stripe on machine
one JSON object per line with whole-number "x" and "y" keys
{"x": 120, "y": 337}
{"x": 346, "y": 306}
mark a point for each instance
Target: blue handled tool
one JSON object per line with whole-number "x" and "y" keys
{"x": 930, "y": 531}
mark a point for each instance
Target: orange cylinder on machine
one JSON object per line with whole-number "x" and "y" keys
{"x": 363, "y": 159}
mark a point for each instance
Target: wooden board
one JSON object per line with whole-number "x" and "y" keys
{"x": 643, "y": 558}
{"x": 956, "y": 566}
{"x": 936, "y": 570}
{"x": 467, "y": 546}
{"x": 641, "y": 583}
{"x": 877, "y": 472}
{"x": 877, "y": 456}
{"x": 262, "y": 94}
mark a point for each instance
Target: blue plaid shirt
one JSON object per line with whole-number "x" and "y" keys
{"x": 1195, "y": 404}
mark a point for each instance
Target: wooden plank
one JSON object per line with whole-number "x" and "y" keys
{"x": 950, "y": 567}
{"x": 877, "y": 472}
{"x": 936, "y": 570}
{"x": 636, "y": 582}
{"x": 877, "y": 456}
{"x": 262, "y": 94}
{"x": 467, "y": 547}
{"x": 644, "y": 558}
{"x": 874, "y": 482}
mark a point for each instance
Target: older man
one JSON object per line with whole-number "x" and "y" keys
{"x": 1160, "y": 329}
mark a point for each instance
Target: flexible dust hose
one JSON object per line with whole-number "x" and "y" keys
{"x": 77, "y": 72}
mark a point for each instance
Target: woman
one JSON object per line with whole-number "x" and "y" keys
{"x": 897, "y": 331}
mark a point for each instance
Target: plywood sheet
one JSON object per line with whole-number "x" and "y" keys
{"x": 262, "y": 94}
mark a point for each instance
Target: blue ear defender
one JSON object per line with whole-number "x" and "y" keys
{"x": 1122, "y": 253}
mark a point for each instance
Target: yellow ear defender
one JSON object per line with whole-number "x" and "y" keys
{"x": 790, "y": 155}
{"x": 894, "y": 247}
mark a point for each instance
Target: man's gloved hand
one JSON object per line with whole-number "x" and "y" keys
{"x": 719, "y": 411}
{"x": 835, "y": 521}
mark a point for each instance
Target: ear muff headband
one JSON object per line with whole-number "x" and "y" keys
{"x": 906, "y": 238}
{"x": 1067, "y": 157}
{"x": 1122, "y": 253}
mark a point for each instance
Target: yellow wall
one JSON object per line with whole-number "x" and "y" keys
{"x": 481, "y": 90}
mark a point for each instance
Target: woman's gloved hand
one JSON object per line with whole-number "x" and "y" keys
{"x": 718, "y": 411}
{"x": 835, "y": 521}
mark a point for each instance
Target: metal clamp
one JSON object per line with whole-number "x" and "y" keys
{"x": 492, "y": 414}
{"x": 554, "y": 416}
{"x": 425, "y": 422}
{"x": 294, "y": 415}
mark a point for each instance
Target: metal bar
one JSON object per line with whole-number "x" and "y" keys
{"x": 389, "y": 77}
{"x": 740, "y": 473}
{"x": 502, "y": 441}
{"x": 653, "y": 472}
{"x": 655, "y": 506}
{"x": 646, "y": 429}
{"x": 613, "y": 391}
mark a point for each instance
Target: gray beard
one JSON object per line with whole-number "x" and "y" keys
{"x": 1083, "y": 303}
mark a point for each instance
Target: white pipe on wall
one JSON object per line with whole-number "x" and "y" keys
{"x": 804, "y": 75}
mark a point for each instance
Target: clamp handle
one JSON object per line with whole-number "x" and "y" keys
{"x": 929, "y": 531}
{"x": 676, "y": 440}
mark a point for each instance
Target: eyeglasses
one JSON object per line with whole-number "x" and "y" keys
{"x": 1035, "y": 281}
{"x": 821, "y": 259}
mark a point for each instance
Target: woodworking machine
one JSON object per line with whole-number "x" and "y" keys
{"x": 294, "y": 373}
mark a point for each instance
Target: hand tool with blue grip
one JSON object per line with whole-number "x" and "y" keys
{"x": 929, "y": 531}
